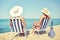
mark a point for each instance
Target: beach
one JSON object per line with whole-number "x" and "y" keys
{"x": 32, "y": 36}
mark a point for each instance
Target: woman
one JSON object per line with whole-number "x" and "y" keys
{"x": 37, "y": 25}
{"x": 17, "y": 21}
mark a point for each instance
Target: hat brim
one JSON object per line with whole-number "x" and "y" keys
{"x": 20, "y": 11}
{"x": 44, "y": 11}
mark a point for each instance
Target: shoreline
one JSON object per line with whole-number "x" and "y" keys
{"x": 31, "y": 36}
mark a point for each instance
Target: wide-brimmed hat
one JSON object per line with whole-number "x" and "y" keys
{"x": 16, "y": 11}
{"x": 45, "y": 11}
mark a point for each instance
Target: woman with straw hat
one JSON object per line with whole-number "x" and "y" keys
{"x": 45, "y": 12}
{"x": 16, "y": 19}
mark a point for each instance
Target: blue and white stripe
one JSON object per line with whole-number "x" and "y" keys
{"x": 17, "y": 25}
{"x": 44, "y": 23}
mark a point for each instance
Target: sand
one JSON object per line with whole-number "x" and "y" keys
{"x": 32, "y": 36}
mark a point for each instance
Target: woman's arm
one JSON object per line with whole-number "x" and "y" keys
{"x": 23, "y": 21}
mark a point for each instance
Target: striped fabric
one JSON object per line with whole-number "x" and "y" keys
{"x": 16, "y": 25}
{"x": 44, "y": 23}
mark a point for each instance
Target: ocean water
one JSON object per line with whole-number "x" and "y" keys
{"x": 4, "y": 24}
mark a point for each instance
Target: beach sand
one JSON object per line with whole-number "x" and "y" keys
{"x": 32, "y": 36}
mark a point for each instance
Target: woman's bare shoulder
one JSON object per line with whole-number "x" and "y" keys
{"x": 42, "y": 17}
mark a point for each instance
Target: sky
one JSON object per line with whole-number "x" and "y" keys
{"x": 31, "y": 8}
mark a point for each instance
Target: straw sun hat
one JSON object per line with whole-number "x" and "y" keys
{"x": 45, "y": 11}
{"x": 16, "y": 11}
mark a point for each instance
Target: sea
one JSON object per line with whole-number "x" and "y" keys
{"x": 5, "y": 27}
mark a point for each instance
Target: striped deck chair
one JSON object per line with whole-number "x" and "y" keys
{"x": 43, "y": 26}
{"x": 44, "y": 23}
{"x": 16, "y": 25}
